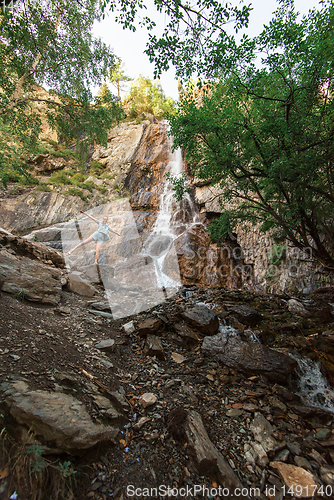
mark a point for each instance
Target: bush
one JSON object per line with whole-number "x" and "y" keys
{"x": 60, "y": 178}
{"x": 96, "y": 168}
{"x": 77, "y": 192}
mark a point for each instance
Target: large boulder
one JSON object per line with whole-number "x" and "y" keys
{"x": 249, "y": 358}
{"x": 31, "y": 249}
{"x": 29, "y": 280}
{"x": 58, "y": 420}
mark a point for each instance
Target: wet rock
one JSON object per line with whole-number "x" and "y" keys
{"x": 249, "y": 358}
{"x": 294, "y": 477}
{"x": 246, "y": 315}
{"x": 202, "y": 318}
{"x": 153, "y": 347}
{"x": 149, "y": 326}
{"x": 296, "y": 307}
{"x": 147, "y": 399}
{"x": 106, "y": 345}
{"x": 59, "y": 420}
{"x": 79, "y": 285}
{"x": 29, "y": 280}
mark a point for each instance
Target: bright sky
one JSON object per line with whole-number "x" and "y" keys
{"x": 130, "y": 46}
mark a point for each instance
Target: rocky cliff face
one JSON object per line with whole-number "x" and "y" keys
{"x": 275, "y": 268}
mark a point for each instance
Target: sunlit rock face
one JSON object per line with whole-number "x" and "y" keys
{"x": 145, "y": 179}
{"x": 137, "y": 157}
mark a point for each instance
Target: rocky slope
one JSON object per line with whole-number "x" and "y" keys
{"x": 202, "y": 383}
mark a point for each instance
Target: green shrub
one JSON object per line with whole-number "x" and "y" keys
{"x": 60, "y": 178}
{"x": 78, "y": 177}
{"x": 96, "y": 168}
{"x": 43, "y": 187}
{"x": 77, "y": 192}
{"x": 109, "y": 176}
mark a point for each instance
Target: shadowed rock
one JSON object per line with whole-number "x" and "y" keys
{"x": 202, "y": 318}
{"x": 249, "y": 358}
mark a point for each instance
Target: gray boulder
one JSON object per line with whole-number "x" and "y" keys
{"x": 58, "y": 420}
{"x": 30, "y": 280}
{"x": 249, "y": 358}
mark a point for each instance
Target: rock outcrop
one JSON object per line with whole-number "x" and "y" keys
{"x": 58, "y": 420}
{"x": 249, "y": 358}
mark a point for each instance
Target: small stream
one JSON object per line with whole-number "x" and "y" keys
{"x": 312, "y": 386}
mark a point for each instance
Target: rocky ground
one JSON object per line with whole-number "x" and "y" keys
{"x": 157, "y": 380}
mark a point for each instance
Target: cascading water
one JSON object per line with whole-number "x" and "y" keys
{"x": 312, "y": 386}
{"x": 173, "y": 218}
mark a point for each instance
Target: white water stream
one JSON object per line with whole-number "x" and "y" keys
{"x": 172, "y": 220}
{"x": 312, "y": 385}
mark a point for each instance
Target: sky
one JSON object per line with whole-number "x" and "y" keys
{"x": 130, "y": 46}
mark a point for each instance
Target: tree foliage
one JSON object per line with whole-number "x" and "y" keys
{"x": 117, "y": 76}
{"x": 265, "y": 134}
{"x": 194, "y": 37}
{"x": 50, "y": 43}
{"x": 148, "y": 97}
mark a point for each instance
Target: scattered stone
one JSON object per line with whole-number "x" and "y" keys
{"x": 296, "y": 307}
{"x": 101, "y": 314}
{"x": 294, "y": 476}
{"x": 249, "y": 358}
{"x": 322, "y": 434}
{"x": 101, "y": 306}
{"x": 15, "y": 357}
{"x": 234, "y": 412}
{"x": 302, "y": 462}
{"x": 149, "y": 326}
{"x": 62, "y": 311}
{"x": 186, "y": 333}
{"x": 142, "y": 421}
{"x": 147, "y": 399}
{"x": 153, "y": 347}
{"x": 202, "y": 318}
{"x": 106, "y": 345}
{"x": 246, "y": 315}
{"x": 263, "y": 430}
{"x": 178, "y": 358}
{"x": 80, "y": 286}
{"x": 129, "y": 327}
{"x": 282, "y": 456}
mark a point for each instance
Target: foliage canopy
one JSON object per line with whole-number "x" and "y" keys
{"x": 50, "y": 43}
{"x": 265, "y": 134}
{"x": 148, "y": 97}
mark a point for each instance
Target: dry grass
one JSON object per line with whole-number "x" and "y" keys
{"x": 26, "y": 472}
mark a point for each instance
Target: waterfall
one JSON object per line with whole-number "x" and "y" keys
{"x": 137, "y": 272}
{"x": 173, "y": 218}
{"x": 312, "y": 386}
